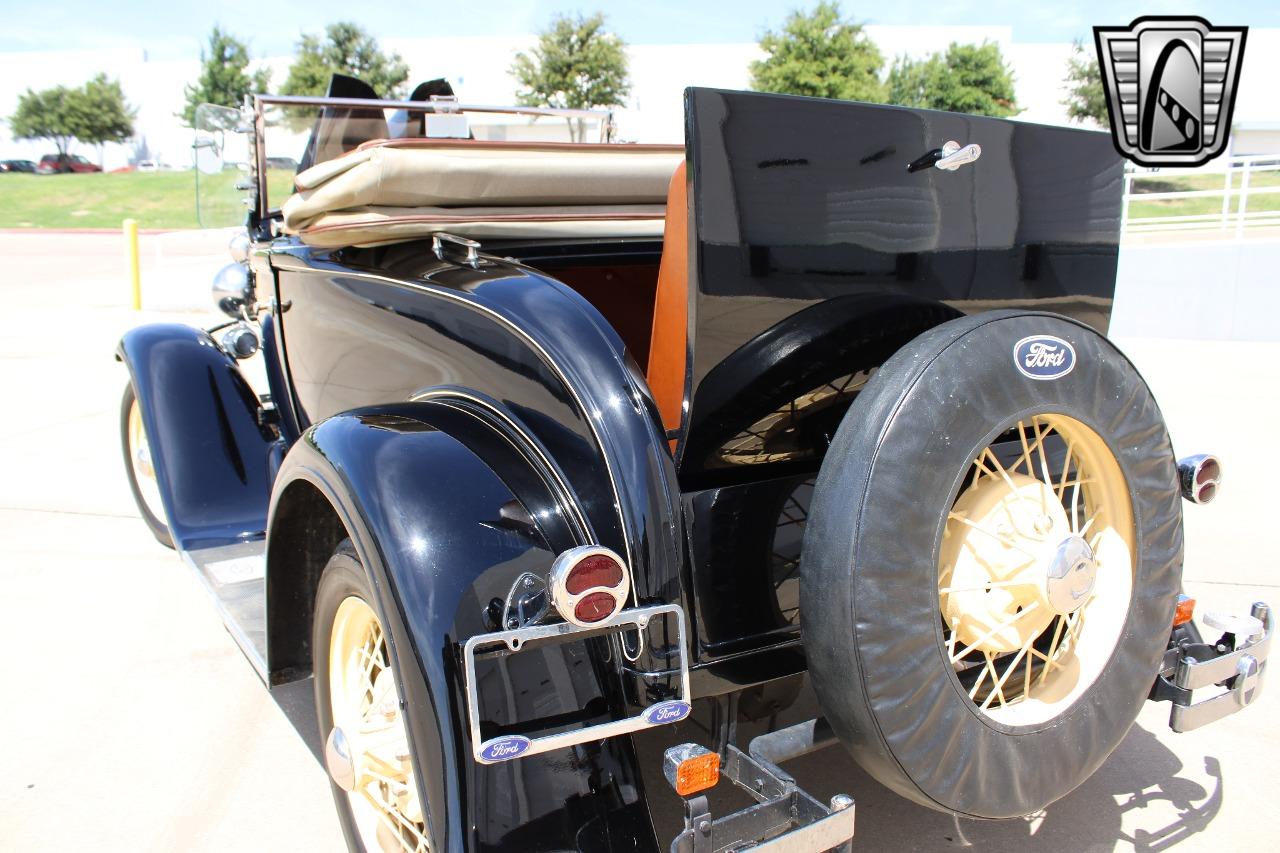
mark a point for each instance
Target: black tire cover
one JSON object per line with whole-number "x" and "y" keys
{"x": 869, "y": 602}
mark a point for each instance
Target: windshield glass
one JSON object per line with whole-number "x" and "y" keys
{"x": 299, "y": 137}
{"x": 222, "y": 161}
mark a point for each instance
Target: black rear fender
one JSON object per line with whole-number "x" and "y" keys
{"x": 446, "y": 513}
{"x": 212, "y": 457}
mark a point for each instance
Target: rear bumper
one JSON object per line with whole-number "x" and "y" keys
{"x": 1235, "y": 662}
{"x": 785, "y": 818}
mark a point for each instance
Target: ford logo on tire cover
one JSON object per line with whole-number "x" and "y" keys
{"x": 666, "y": 712}
{"x": 1044, "y": 357}
{"x": 504, "y": 748}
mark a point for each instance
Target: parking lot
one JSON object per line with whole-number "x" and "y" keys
{"x": 133, "y": 723}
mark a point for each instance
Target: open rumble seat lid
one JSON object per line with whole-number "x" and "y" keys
{"x": 401, "y": 189}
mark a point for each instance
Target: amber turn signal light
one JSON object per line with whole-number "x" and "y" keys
{"x": 1184, "y": 610}
{"x": 690, "y": 768}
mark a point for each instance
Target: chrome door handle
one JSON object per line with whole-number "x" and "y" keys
{"x": 953, "y": 156}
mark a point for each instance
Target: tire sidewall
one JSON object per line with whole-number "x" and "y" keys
{"x": 343, "y": 577}
{"x": 895, "y": 466}
{"x": 157, "y": 526}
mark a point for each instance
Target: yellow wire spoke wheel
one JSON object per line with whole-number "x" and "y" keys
{"x": 991, "y": 561}
{"x": 367, "y": 750}
{"x": 1036, "y": 569}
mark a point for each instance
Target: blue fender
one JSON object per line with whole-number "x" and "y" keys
{"x": 420, "y": 489}
{"x": 211, "y": 454}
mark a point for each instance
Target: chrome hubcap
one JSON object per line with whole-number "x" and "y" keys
{"x": 338, "y": 760}
{"x": 1071, "y": 576}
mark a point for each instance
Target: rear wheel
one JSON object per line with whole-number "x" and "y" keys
{"x": 991, "y": 562}
{"x": 140, "y": 468}
{"x": 361, "y": 718}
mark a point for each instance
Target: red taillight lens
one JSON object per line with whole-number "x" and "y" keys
{"x": 588, "y": 584}
{"x": 594, "y": 607}
{"x": 594, "y": 571}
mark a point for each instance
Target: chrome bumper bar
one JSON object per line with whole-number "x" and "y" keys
{"x": 506, "y": 643}
{"x": 1236, "y": 663}
{"x": 785, "y": 819}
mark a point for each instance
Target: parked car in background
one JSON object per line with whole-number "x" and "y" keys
{"x": 282, "y": 163}
{"x": 147, "y": 165}
{"x": 17, "y": 166}
{"x": 51, "y": 164}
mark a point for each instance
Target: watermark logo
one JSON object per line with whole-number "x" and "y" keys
{"x": 1044, "y": 357}
{"x": 1171, "y": 85}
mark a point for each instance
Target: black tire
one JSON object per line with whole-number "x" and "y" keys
{"x": 343, "y": 576}
{"x": 869, "y": 583}
{"x": 156, "y": 525}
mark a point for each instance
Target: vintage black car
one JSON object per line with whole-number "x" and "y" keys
{"x": 575, "y": 456}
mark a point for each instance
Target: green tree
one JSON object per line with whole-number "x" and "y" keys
{"x": 820, "y": 54}
{"x": 94, "y": 113}
{"x": 224, "y": 76}
{"x": 968, "y": 78}
{"x": 1086, "y": 100}
{"x": 577, "y": 65}
{"x": 345, "y": 49}
{"x": 44, "y": 115}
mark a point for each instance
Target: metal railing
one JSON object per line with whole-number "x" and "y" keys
{"x": 1238, "y": 175}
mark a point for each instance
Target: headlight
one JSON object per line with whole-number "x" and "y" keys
{"x": 233, "y": 289}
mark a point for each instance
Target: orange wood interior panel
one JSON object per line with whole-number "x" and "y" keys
{"x": 667, "y": 348}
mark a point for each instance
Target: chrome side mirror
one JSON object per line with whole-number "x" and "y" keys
{"x": 233, "y": 290}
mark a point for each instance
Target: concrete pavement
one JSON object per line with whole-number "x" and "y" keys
{"x": 133, "y": 723}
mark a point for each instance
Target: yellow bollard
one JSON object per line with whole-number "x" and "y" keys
{"x": 131, "y": 253}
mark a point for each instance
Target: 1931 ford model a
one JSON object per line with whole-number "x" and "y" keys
{"x": 567, "y": 444}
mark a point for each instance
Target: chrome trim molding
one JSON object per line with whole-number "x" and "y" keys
{"x": 506, "y": 747}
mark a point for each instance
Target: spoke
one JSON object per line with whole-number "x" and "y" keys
{"x": 1004, "y": 475}
{"x": 983, "y": 587}
{"x": 1026, "y": 682}
{"x": 996, "y": 630}
{"x": 955, "y": 516}
{"x": 1075, "y": 500}
{"x": 1008, "y": 672}
{"x": 1066, "y": 468}
{"x": 997, "y": 686}
{"x": 389, "y": 814}
{"x": 982, "y": 676}
{"x": 1044, "y": 458}
{"x": 1026, "y": 451}
{"x": 1049, "y": 662}
{"x": 1083, "y": 530}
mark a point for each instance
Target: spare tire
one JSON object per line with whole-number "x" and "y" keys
{"x": 991, "y": 563}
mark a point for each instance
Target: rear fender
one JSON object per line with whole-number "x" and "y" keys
{"x": 211, "y": 455}
{"x": 445, "y": 515}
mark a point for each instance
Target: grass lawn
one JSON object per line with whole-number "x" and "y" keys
{"x": 1158, "y": 183}
{"x": 168, "y": 199}
{"x": 104, "y": 200}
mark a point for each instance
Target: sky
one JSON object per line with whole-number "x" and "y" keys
{"x": 175, "y": 30}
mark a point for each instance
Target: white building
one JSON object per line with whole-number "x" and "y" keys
{"x": 478, "y": 68}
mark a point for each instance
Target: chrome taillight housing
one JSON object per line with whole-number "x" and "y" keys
{"x": 589, "y": 584}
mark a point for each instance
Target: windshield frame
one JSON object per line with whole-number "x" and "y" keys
{"x": 439, "y": 105}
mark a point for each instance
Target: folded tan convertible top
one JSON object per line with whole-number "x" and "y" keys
{"x": 404, "y": 189}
